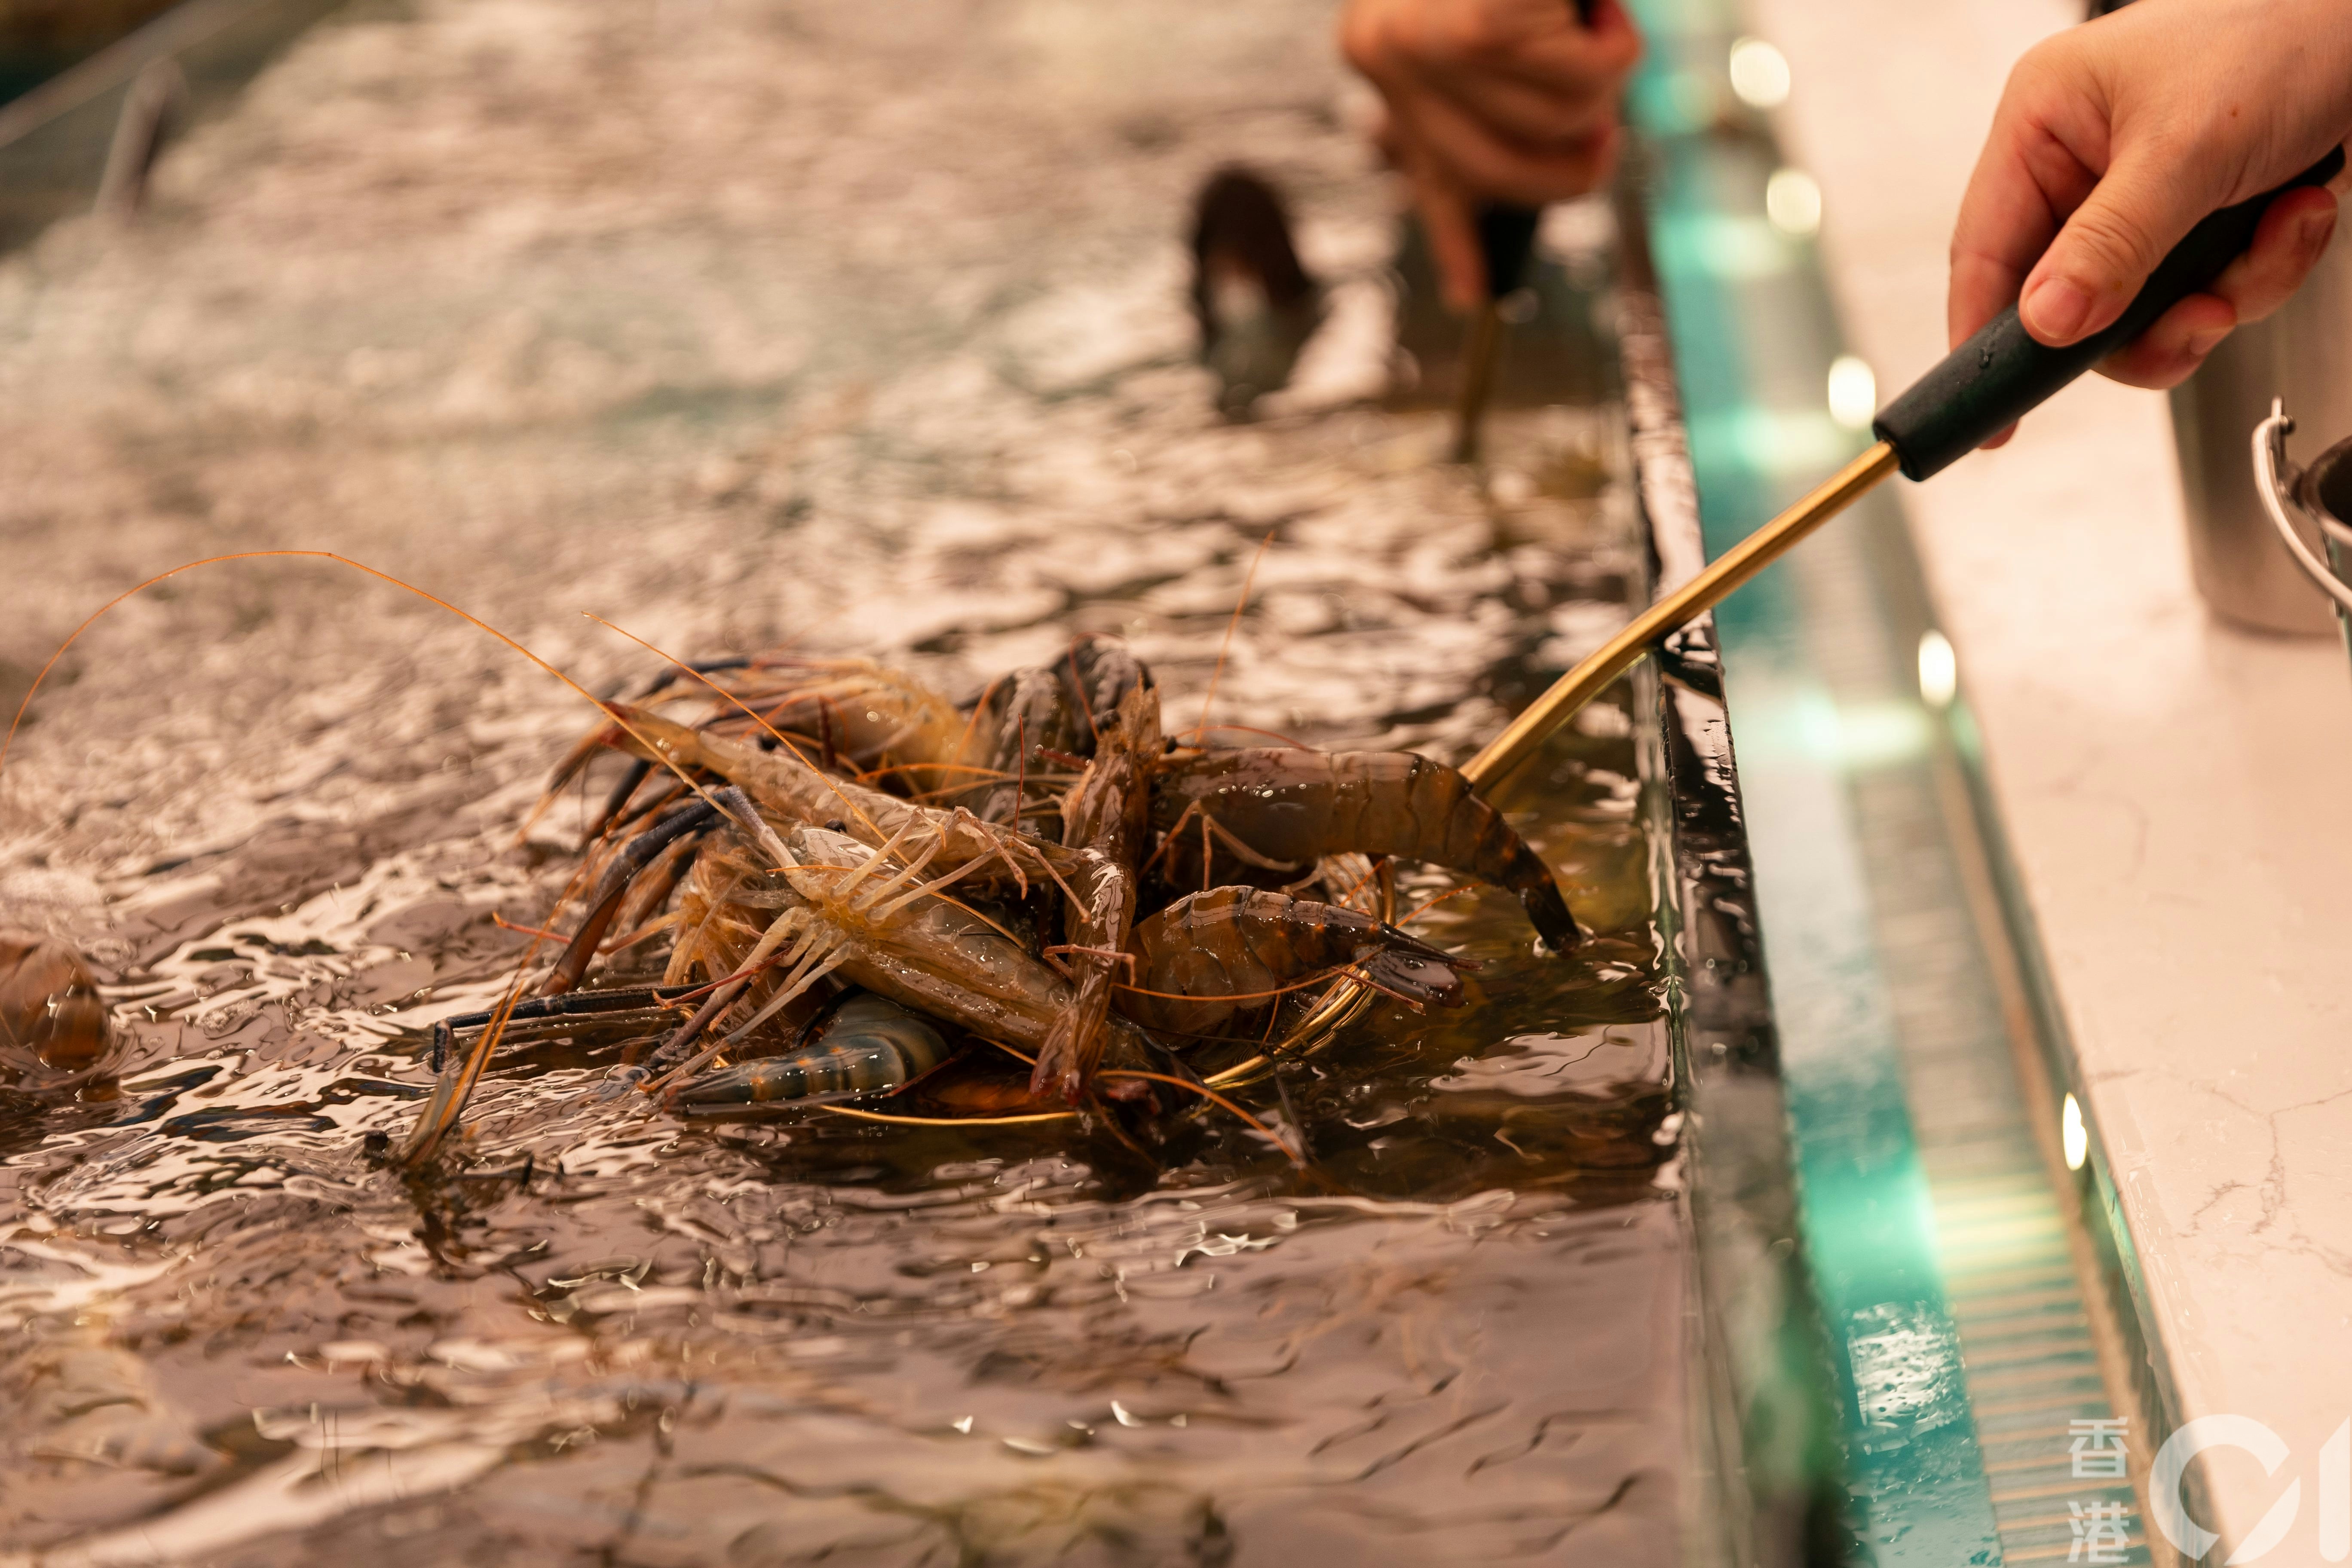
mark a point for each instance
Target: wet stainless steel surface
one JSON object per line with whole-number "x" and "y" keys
{"x": 866, "y": 331}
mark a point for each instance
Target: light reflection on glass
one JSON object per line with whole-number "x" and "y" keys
{"x": 1853, "y": 393}
{"x": 1793, "y": 200}
{"x": 1760, "y": 74}
{"x": 1940, "y": 669}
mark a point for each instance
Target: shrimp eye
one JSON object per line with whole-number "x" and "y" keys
{"x": 837, "y": 826}
{"x": 767, "y": 743}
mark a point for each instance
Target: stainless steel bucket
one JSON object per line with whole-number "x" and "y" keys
{"x": 2303, "y": 353}
{"x": 2317, "y": 498}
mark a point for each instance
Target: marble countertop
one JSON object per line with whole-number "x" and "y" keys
{"x": 2174, "y": 790}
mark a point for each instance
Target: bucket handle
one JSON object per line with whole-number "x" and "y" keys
{"x": 2270, "y": 464}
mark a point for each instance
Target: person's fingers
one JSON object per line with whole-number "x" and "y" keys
{"x": 1535, "y": 116}
{"x": 2026, "y": 181}
{"x": 1979, "y": 288}
{"x": 1569, "y": 59}
{"x": 1540, "y": 41}
{"x": 2288, "y": 243}
{"x": 2144, "y": 205}
{"x": 1365, "y": 35}
{"x": 1525, "y": 66}
{"x": 2166, "y": 353}
{"x": 1475, "y": 158}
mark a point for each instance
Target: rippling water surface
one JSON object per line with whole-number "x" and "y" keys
{"x": 861, "y": 329}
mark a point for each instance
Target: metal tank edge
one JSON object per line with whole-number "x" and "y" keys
{"x": 1767, "y": 1459}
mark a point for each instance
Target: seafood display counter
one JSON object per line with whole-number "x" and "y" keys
{"x": 718, "y": 334}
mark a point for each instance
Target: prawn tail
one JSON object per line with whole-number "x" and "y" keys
{"x": 1481, "y": 843}
{"x": 871, "y": 1046}
{"x": 1547, "y": 910}
{"x": 1412, "y": 972}
{"x": 577, "y": 758}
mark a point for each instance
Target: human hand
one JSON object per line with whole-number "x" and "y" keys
{"x": 2115, "y": 138}
{"x": 1491, "y": 100}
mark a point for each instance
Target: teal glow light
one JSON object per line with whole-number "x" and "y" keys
{"x": 1730, "y": 246}
{"x": 1776, "y": 442}
{"x": 1850, "y": 738}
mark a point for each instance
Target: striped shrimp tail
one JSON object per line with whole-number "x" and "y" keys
{"x": 869, "y": 1046}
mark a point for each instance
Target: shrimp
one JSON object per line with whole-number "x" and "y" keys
{"x": 1212, "y": 962}
{"x": 1099, "y": 885}
{"x": 882, "y": 722}
{"x": 788, "y": 786}
{"x": 1020, "y": 720}
{"x": 51, "y": 1019}
{"x": 849, "y": 712}
{"x": 1282, "y": 809}
{"x": 843, "y": 906}
{"x": 1045, "y": 713}
{"x": 893, "y": 729}
{"x": 1107, "y": 817}
{"x": 867, "y": 1045}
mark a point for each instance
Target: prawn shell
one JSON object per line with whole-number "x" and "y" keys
{"x": 931, "y": 956}
{"x": 934, "y": 956}
{"x": 1212, "y": 961}
{"x": 787, "y": 788}
{"x": 1106, "y": 817}
{"x": 1294, "y": 806}
{"x": 879, "y": 720}
{"x": 51, "y": 1015}
{"x": 1023, "y": 719}
{"x": 869, "y": 1046}
{"x": 1019, "y": 719}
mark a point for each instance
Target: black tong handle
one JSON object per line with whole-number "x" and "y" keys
{"x": 2002, "y": 374}
{"x": 1507, "y": 238}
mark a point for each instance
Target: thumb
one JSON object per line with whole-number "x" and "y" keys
{"x": 2142, "y": 207}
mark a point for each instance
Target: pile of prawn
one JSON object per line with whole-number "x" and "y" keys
{"x": 859, "y": 880}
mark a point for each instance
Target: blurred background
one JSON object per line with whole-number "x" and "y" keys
{"x": 39, "y": 38}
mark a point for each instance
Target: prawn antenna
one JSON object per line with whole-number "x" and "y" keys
{"x": 782, "y": 739}
{"x": 1231, "y": 626}
{"x": 1213, "y": 1097}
